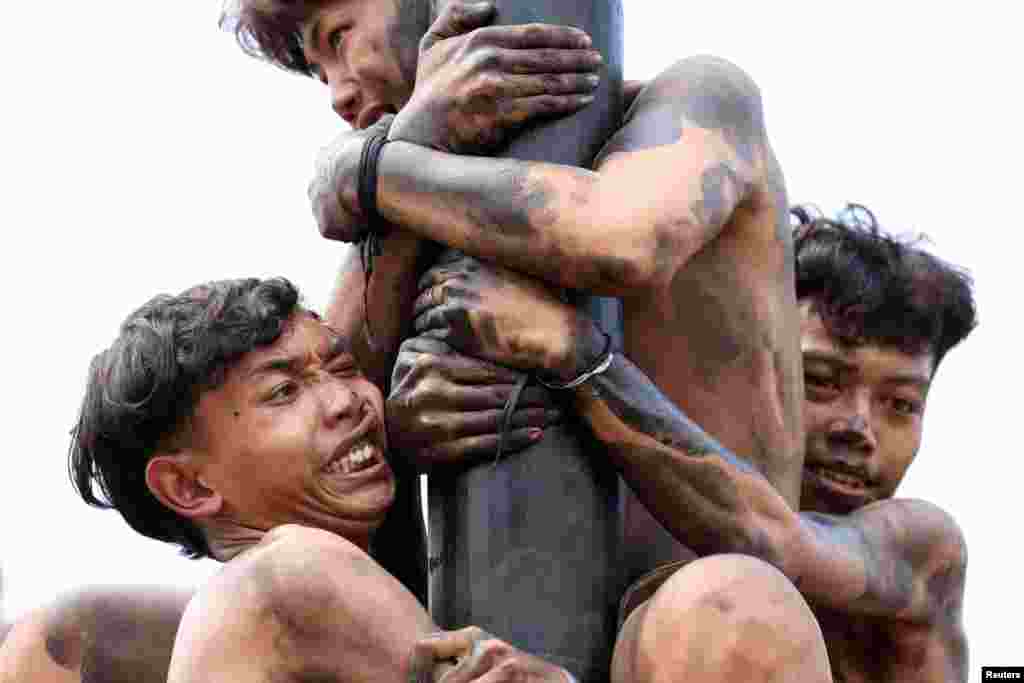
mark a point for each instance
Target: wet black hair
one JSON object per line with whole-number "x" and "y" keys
{"x": 271, "y": 30}
{"x": 142, "y": 392}
{"x": 869, "y": 286}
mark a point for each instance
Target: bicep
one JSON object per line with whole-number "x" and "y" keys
{"x": 691, "y": 150}
{"x": 895, "y": 559}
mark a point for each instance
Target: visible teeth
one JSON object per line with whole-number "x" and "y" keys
{"x": 842, "y": 478}
{"x": 361, "y": 454}
{"x": 358, "y": 457}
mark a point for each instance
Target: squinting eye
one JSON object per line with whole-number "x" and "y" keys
{"x": 345, "y": 370}
{"x": 821, "y": 381}
{"x": 334, "y": 39}
{"x": 904, "y": 407}
{"x": 282, "y": 392}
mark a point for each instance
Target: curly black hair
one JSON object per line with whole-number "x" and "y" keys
{"x": 142, "y": 392}
{"x": 871, "y": 287}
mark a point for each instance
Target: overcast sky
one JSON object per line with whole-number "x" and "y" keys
{"x": 143, "y": 153}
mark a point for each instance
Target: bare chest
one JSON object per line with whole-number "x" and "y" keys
{"x": 723, "y": 343}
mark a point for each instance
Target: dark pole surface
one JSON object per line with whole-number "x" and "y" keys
{"x": 526, "y": 548}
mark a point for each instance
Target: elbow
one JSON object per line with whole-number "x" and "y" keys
{"x": 636, "y": 264}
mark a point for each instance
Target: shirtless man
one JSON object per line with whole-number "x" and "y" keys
{"x": 236, "y": 424}
{"x": 684, "y": 218}
{"x": 96, "y": 635}
{"x": 884, "y": 576}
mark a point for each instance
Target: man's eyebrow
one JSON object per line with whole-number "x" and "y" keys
{"x": 911, "y": 378}
{"x": 830, "y": 358}
{"x": 289, "y": 364}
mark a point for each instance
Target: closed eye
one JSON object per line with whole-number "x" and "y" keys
{"x": 344, "y": 369}
{"x": 820, "y": 384}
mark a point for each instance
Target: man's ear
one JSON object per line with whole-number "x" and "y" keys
{"x": 176, "y": 483}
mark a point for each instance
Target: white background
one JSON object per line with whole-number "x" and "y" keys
{"x": 142, "y": 153}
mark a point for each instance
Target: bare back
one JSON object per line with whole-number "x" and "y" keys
{"x": 106, "y": 634}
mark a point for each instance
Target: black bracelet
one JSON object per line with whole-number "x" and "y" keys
{"x": 374, "y": 226}
{"x": 368, "y": 179}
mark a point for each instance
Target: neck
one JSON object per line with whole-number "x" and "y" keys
{"x": 228, "y": 542}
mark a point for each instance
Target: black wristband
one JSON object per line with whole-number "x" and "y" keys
{"x": 368, "y": 160}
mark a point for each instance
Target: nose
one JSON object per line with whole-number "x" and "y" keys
{"x": 345, "y": 99}
{"x": 853, "y": 426}
{"x": 339, "y": 400}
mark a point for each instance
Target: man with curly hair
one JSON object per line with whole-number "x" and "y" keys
{"x": 231, "y": 421}
{"x": 884, "y": 576}
{"x": 682, "y": 217}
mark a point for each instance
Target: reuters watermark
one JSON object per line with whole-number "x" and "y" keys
{"x": 1002, "y": 673}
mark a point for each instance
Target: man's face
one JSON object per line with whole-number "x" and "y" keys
{"x": 295, "y": 434}
{"x": 862, "y": 414}
{"x": 365, "y": 51}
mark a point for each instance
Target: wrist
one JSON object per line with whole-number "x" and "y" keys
{"x": 415, "y": 127}
{"x": 585, "y": 355}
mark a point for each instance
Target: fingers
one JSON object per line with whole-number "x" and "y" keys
{"x": 483, "y": 662}
{"x": 444, "y": 427}
{"x": 524, "y": 109}
{"x": 486, "y": 422}
{"x": 548, "y": 61}
{"x": 533, "y": 36}
{"x": 424, "y": 357}
{"x": 456, "y": 18}
{"x": 439, "y": 648}
{"x": 436, "y": 317}
{"x": 552, "y": 84}
{"x": 472, "y": 449}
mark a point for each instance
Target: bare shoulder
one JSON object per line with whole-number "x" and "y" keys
{"x": 930, "y": 540}
{"x": 307, "y": 603}
{"x": 917, "y": 523}
{"x": 702, "y": 92}
{"x": 121, "y": 633}
{"x": 291, "y": 566}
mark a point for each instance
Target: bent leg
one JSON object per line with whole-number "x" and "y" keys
{"x": 722, "y": 618}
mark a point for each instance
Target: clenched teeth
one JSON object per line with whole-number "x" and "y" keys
{"x": 359, "y": 457}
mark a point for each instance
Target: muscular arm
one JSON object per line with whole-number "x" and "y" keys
{"x": 897, "y": 559}
{"x": 691, "y": 151}
{"x": 376, "y": 319}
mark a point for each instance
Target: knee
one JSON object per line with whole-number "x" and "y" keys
{"x": 724, "y": 617}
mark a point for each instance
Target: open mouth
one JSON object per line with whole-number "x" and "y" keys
{"x": 361, "y": 456}
{"x": 844, "y": 481}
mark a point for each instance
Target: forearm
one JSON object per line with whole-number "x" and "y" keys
{"x": 709, "y": 499}
{"x": 553, "y": 222}
{"x": 878, "y": 561}
{"x": 375, "y": 320}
